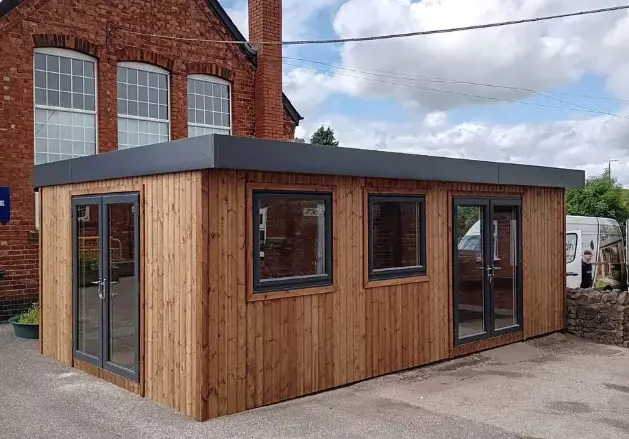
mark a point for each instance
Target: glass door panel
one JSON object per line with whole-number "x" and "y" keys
{"x": 486, "y": 267}
{"x": 88, "y": 305}
{"x": 469, "y": 269}
{"x": 106, "y": 306}
{"x": 506, "y": 263}
{"x": 123, "y": 286}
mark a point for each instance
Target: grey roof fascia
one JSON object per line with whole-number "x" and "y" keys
{"x": 229, "y": 152}
{"x": 162, "y": 158}
{"x": 528, "y": 175}
{"x": 267, "y": 155}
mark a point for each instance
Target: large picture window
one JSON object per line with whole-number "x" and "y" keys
{"x": 143, "y": 105}
{"x": 292, "y": 240}
{"x": 397, "y": 236}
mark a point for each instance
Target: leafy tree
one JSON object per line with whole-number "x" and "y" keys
{"x": 602, "y": 196}
{"x": 324, "y": 136}
{"x": 466, "y": 217}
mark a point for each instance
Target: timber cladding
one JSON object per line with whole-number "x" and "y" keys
{"x": 211, "y": 347}
{"x": 173, "y": 283}
{"x": 284, "y": 346}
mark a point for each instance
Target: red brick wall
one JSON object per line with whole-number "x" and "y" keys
{"x": 95, "y": 27}
{"x": 395, "y": 232}
{"x": 265, "y": 24}
{"x": 290, "y": 248}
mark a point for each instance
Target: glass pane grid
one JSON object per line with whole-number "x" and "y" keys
{"x": 64, "y": 82}
{"x": 196, "y": 130}
{"x": 61, "y": 135}
{"x": 209, "y": 106}
{"x": 137, "y": 132}
{"x": 142, "y": 94}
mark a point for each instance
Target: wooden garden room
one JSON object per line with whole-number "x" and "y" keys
{"x": 217, "y": 274}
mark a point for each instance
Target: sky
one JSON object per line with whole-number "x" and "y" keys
{"x": 552, "y": 93}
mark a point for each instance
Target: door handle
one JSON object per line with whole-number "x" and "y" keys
{"x": 101, "y": 288}
{"x": 572, "y": 274}
{"x": 490, "y": 273}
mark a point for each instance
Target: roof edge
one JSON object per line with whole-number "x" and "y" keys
{"x": 249, "y": 154}
{"x": 7, "y": 5}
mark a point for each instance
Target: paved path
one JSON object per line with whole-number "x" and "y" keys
{"x": 554, "y": 387}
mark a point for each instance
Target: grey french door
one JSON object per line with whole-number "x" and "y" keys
{"x": 106, "y": 282}
{"x": 486, "y": 267}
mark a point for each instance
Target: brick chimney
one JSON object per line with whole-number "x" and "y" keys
{"x": 265, "y": 24}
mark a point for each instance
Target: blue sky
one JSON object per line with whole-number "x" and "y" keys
{"x": 567, "y": 59}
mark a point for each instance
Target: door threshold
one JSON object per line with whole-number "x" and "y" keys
{"x": 483, "y": 345}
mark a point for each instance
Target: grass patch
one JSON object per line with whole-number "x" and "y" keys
{"x": 31, "y": 316}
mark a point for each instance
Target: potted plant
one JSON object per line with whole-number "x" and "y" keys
{"x": 26, "y": 325}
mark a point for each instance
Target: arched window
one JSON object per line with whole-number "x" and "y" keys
{"x": 209, "y": 105}
{"x": 143, "y": 105}
{"x": 65, "y": 104}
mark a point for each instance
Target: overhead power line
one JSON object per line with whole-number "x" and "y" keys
{"x": 452, "y": 92}
{"x": 392, "y": 36}
{"x": 409, "y": 76}
{"x": 392, "y": 75}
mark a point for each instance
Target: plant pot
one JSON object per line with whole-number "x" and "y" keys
{"x": 24, "y": 330}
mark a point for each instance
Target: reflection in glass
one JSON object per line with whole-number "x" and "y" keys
{"x": 292, "y": 237}
{"x": 89, "y": 306}
{"x": 470, "y": 271}
{"x": 505, "y": 268}
{"x": 395, "y": 235}
{"x": 123, "y": 286}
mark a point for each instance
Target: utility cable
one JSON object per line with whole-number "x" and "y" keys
{"x": 391, "y": 36}
{"x": 426, "y": 79}
{"x": 491, "y": 98}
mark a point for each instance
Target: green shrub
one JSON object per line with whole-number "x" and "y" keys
{"x": 31, "y": 316}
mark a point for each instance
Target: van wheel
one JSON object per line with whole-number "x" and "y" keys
{"x": 607, "y": 288}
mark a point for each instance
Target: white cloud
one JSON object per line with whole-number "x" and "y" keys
{"x": 538, "y": 56}
{"x": 435, "y": 119}
{"x": 307, "y": 89}
{"x": 583, "y": 144}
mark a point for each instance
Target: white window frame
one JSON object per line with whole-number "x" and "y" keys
{"x": 213, "y": 80}
{"x": 147, "y": 68}
{"x": 72, "y": 54}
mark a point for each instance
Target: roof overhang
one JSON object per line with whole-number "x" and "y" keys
{"x": 243, "y": 153}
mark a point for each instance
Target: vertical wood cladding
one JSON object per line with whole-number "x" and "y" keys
{"x": 272, "y": 350}
{"x": 209, "y": 349}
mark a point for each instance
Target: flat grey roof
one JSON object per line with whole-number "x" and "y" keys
{"x": 229, "y": 152}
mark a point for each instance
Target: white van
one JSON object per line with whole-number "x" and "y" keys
{"x": 603, "y": 238}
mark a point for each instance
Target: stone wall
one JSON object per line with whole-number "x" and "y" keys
{"x": 599, "y": 316}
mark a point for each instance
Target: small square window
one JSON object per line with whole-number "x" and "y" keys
{"x": 397, "y": 236}
{"x": 292, "y": 240}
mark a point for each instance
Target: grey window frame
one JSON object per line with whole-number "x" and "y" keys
{"x": 398, "y": 272}
{"x": 292, "y": 282}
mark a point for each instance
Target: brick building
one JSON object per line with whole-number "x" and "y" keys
{"x": 87, "y": 77}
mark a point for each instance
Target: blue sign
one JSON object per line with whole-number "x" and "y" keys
{"x": 5, "y": 204}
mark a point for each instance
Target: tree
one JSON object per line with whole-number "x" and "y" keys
{"x": 602, "y": 196}
{"x": 324, "y": 136}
